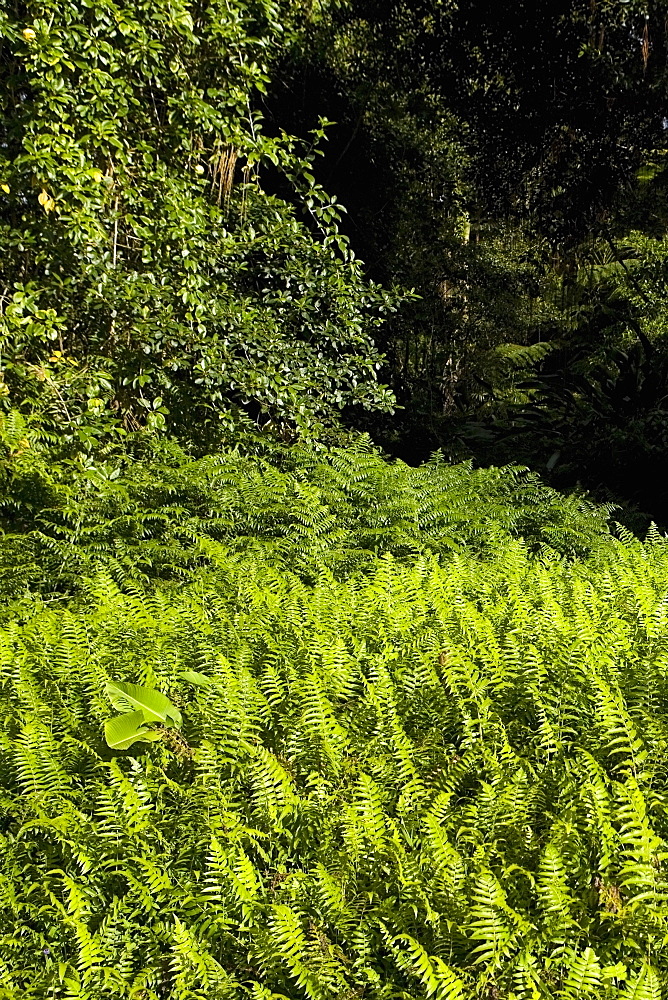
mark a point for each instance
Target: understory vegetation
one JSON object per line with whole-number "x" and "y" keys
{"x": 164, "y": 515}
{"x": 333, "y": 609}
{"x": 441, "y": 776}
{"x": 389, "y": 732}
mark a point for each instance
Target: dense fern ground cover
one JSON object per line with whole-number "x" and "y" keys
{"x": 163, "y": 515}
{"x": 400, "y": 773}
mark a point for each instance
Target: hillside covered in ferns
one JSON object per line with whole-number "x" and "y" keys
{"x": 333, "y": 536}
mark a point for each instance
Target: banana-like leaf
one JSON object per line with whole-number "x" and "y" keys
{"x": 124, "y": 730}
{"x": 154, "y": 705}
{"x": 199, "y": 680}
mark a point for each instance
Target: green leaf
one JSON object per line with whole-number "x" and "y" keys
{"x": 154, "y": 706}
{"x": 124, "y": 730}
{"x": 200, "y": 680}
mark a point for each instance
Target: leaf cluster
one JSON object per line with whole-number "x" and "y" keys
{"x": 149, "y": 277}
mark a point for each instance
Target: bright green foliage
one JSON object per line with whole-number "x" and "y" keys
{"x": 167, "y": 516}
{"x": 148, "y": 278}
{"x": 142, "y": 706}
{"x": 432, "y": 780}
{"x": 153, "y": 705}
{"x": 382, "y": 732}
{"x": 122, "y": 731}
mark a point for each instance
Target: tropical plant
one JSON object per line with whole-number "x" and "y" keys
{"x": 431, "y": 780}
{"x": 148, "y": 279}
{"x": 141, "y": 707}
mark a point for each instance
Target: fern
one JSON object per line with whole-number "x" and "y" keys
{"x": 583, "y": 976}
{"x": 645, "y": 985}
{"x": 418, "y": 756}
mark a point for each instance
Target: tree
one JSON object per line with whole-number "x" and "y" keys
{"x": 480, "y": 147}
{"x": 147, "y": 278}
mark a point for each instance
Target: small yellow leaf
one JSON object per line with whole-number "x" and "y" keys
{"x": 29, "y": 34}
{"x": 97, "y": 175}
{"x": 5, "y": 188}
{"x": 46, "y": 201}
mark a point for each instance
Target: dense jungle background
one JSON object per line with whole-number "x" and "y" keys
{"x": 173, "y": 216}
{"x": 333, "y": 508}
{"x": 505, "y": 160}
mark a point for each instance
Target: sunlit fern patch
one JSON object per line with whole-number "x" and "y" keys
{"x": 427, "y": 781}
